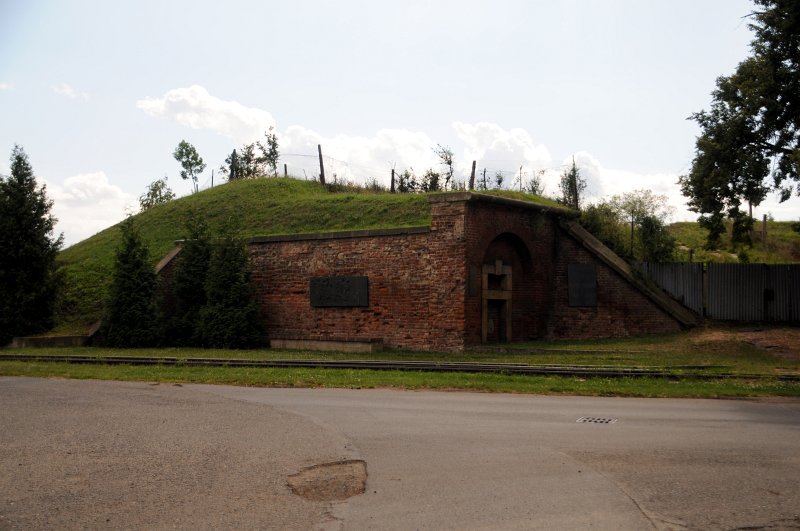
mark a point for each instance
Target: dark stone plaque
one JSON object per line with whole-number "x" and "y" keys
{"x": 339, "y": 292}
{"x": 582, "y": 279}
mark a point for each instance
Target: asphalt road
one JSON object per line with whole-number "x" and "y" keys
{"x": 101, "y": 454}
{"x": 109, "y": 455}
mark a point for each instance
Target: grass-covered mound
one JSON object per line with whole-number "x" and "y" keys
{"x": 782, "y": 245}
{"x": 259, "y": 207}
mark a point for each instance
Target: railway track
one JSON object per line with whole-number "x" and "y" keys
{"x": 428, "y": 366}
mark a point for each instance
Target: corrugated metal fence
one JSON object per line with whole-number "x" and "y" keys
{"x": 683, "y": 281}
{"x": 737, "y": 292}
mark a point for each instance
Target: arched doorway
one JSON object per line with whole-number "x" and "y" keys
{"x": 506, "y": 280}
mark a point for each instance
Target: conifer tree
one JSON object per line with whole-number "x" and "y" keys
{"x": 189, "y": 283}
{"x": 230, "y": 318}
{"x": 28, "y": 276}
{"x": 131, "y": 318}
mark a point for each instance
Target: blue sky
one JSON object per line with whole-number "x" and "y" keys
{"x": 100, "y": 93}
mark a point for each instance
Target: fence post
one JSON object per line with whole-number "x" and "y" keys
{"x": 321, "y": 166}
{"x": 391, "y": 189}
{"x": 472, "y": 177}
{"x": 705, "y": 288}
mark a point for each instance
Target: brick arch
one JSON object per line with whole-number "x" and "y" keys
{"x": 507, "y": 290}
{"x": 509, "y": 247}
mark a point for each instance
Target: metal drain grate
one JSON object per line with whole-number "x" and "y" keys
{"x": 597, "y": 420}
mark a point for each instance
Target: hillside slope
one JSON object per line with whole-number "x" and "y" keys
{"x": 782, "y": 244}
{"x": 259, "y": 207}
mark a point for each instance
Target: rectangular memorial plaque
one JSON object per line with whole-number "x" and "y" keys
{"x": 339, "y": 292}
{"x": 582, "y": 280}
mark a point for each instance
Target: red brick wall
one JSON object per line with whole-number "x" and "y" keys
{"x": 622, "y": 310}
{"x": 540, "y": 304}
{"x": 419, "y": 283}
{"x": 416, "y": 286}
{"x": 488, "y": 227}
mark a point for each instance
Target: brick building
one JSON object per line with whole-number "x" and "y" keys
{"x": 486, "y": 270}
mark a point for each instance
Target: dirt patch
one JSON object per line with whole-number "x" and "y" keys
{"x": 330, "y": 481}
{"x": 781, "y": 342}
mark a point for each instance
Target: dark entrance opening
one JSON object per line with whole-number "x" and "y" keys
{"x": 496, "y": 303}
{"x": 507, "y": 298}
{"x": 496, "y": 321}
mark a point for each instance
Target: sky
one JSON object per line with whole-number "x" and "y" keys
{"x": 100, "y": 93}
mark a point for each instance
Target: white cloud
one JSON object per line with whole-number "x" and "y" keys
{"x": 491, "y": 143}
{"x": 65, "y": 90}
{"x": 356, "y": 157}
{"x": 5, "y": 86}
{"x": 194, "y": 107}
{"x": 604, "y": 182}
{"x": 500, "y": 150}
{"x": 359, "y": 158}
{"x": 86, "y": 204}
{"x": 362, "y": 158}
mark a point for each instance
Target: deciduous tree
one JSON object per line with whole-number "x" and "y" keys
{"x": 445, "y": 155}
{"x": 157, "y": 193}
{"x": 639, "y": 205}
{"x": 572, "y": 185}
{"x": 269, "y": 152}
{"x": 750, "y": 137}
{"x": 190, "y": 161}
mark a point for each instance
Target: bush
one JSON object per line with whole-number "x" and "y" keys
{"x": 605, "y": 223}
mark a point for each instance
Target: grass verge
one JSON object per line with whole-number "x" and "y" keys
{"x": 367, "y": 379}
{"x": 717, "y": 350}
{"x": 732, "y": 350}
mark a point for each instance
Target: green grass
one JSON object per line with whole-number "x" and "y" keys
{"x": 707, "y": 352}
{"x": 782, "y": 246}
{"x": 523, "y": 196}
{"x": 366, "y": 379}
{"x": 693, "y": 351}
{"x": 260, "y": 207}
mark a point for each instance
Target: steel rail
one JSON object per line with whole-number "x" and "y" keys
{"x": 428, "y": 366}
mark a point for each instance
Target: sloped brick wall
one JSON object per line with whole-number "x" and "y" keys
{"x": 622, "y": 310}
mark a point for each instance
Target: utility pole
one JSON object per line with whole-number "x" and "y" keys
{"x": 391, "y": 189}
{"x": 321, "y": 166}
{"x": 285, "y": 170}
